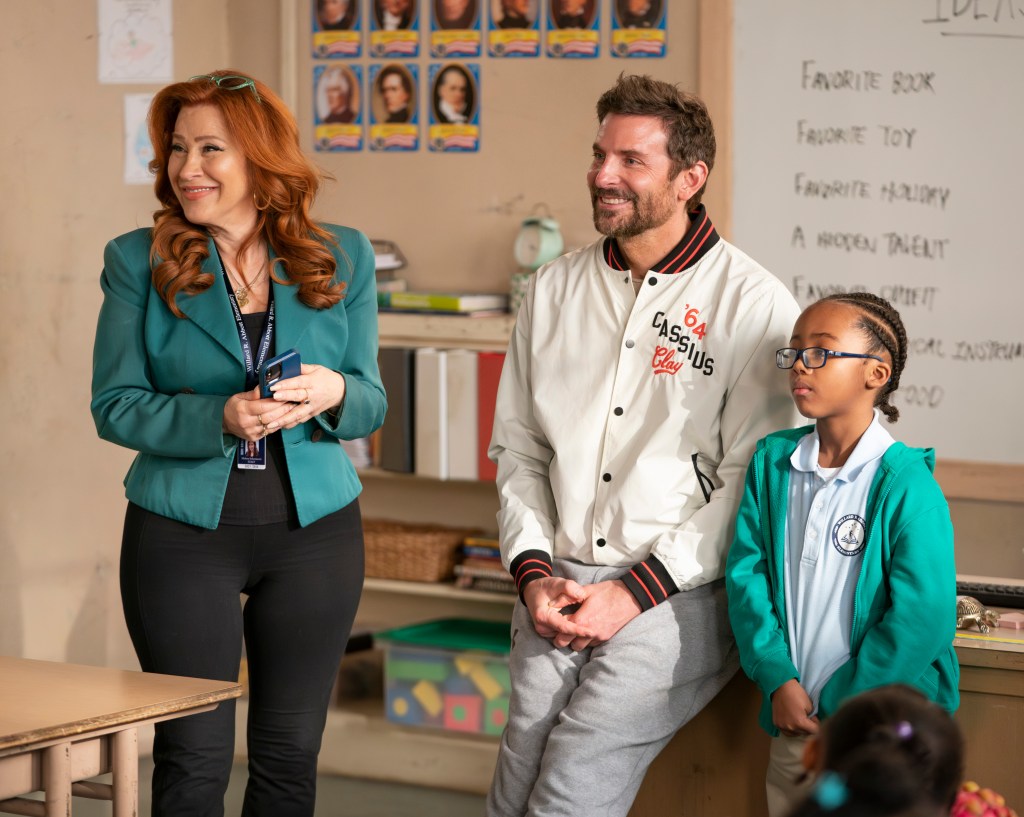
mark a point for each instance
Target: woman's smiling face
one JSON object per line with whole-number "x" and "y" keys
{"x": 208, "y": 172}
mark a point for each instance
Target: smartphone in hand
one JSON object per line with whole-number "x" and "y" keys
{"x": 279, "y": 367}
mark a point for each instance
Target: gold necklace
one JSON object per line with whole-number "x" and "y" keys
{"x": 242, "y": 293}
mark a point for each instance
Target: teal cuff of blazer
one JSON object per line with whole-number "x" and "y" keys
{"x": 160, "y": 382}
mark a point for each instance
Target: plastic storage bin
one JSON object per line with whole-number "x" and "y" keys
{"x": 448, "y": 674}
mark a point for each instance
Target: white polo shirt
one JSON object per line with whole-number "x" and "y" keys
{"x": 825, "y": 536}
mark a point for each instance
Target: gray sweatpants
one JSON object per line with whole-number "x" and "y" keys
{"x": 584, "y": 726}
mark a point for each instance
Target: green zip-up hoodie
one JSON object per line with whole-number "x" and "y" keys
{"x": 904, "y": 608}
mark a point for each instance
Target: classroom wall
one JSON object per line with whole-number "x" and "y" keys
{"x": 61, "y": 170}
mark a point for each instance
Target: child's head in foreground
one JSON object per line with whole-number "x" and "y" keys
{"x": 889, "y": 751}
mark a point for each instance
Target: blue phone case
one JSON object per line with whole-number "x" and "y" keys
{"x": 279, "y": 367}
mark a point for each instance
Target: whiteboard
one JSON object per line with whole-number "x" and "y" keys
{"x": 878, "y": 145}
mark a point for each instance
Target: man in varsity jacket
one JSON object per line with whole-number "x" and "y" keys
{"x": 638, "y": 379}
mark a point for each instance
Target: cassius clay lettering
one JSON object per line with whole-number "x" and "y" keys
{"x": 665, "y": 360}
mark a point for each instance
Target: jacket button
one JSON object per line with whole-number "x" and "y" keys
{"x": 601, "y": 543}
{"x": 606, "y": 477}
{"x": 618, "y": 411}
{"x": 187, "y": 390}
{"x": 630, "y": 344}
{"x": 317, "y": 435}
{"x": 652, "y": 280}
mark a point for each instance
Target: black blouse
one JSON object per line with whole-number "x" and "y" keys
{"x": 260, "y": 497}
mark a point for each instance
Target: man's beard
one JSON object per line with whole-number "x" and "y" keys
{"x": 648, "y": 212}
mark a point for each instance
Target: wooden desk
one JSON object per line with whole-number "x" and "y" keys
{"x": 715, "y": 764}
{"x": 991, "y": 711}
{"x": 61, "y": 724}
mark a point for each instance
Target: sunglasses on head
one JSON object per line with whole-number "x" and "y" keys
{"x": 230, "y": 82}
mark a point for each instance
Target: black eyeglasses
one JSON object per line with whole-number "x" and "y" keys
{"x": 231, "y": 82}
{"x": 813, "y": 357}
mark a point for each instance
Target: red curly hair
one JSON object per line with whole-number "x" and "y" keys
{"x": 284, "y": 185}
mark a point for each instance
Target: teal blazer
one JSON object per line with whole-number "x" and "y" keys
{"x": 160, "y": 382}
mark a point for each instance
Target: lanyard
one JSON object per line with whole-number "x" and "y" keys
{"x": 252, "y": 367}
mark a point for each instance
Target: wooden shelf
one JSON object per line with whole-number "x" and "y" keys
{"x": 359, "y": 741}
{"x": 437, "y": 590}
{"x": 373, "y": 472}
{"x": 991, "y": 482}
{"x": 448, "y": 331}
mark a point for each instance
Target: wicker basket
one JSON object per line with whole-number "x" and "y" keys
{"x": 415, "y": 553}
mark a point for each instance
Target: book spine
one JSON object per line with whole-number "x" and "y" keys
{"x": 483, "y": 572}
{"x": 488, "y": 374}
{"x": 422, "y": 300}
{"x": 397, "y": 372}
{"x": 485, "y": 562}
{"x": 448, "y": 302}
{"x": 490, "y": 585}
{"x": 431, "y": 435}
{"x": 462, "y": 414}
{"x": 481, "y": 551}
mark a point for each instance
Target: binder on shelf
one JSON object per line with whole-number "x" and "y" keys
{"x": 398, "y": 434}
{"x": 488, "y": 374}
{"x": 462, "y": 414}
{"x": 431, "y": 413}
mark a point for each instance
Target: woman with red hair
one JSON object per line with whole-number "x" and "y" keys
{"x": 232, "y": 272}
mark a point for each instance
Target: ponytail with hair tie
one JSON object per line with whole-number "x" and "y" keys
{"x": 830, "y": 791}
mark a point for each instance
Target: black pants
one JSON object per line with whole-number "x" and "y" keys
{"x": 180, "y": 588}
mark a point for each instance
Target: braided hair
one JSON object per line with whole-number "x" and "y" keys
{"x": 883, "y": 327}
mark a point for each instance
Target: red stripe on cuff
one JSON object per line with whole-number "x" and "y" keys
{"x": 644, "y": 586}
{"x": 661, "y": 587}
{"x": 546, "y": 568}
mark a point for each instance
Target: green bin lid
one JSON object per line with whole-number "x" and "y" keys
{"x": 453, "y": 634}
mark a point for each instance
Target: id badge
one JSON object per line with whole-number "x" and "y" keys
{"x": 252, "y": 454}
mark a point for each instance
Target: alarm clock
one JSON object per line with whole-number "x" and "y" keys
{"x": 539, "y": 241}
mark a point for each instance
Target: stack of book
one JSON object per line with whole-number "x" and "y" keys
{"x": 359, "y": 451}
{"x": 443, "y": 303}
{"x": 481, "y": 568}
{"x": 387, "y": 285}
{"x": 388, "y": 259}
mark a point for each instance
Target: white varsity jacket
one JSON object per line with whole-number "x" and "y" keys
{"x": 624, "y": 423}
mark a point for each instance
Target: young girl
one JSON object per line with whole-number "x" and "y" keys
{"x": 841, "y": 575}
{"x": 889, "y": 751}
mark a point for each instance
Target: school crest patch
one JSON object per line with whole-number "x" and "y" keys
{"x": 848, "y": 534}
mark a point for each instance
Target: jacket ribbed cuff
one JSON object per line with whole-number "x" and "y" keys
{"x": 650, "y": 583}
{"x": 529, "y": 566}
